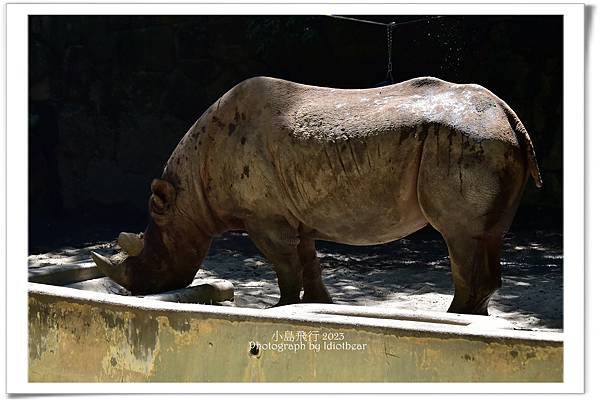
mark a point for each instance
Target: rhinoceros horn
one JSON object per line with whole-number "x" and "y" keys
{"x": 132, "y": 244}
{"x": 116, "y": 271}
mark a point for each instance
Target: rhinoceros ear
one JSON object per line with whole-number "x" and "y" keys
{"x": 161, "y": 200}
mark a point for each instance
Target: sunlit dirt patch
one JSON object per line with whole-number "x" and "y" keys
{"x": 412, "y": 273}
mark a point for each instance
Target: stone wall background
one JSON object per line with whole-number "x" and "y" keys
{"x": 110, "y": 96}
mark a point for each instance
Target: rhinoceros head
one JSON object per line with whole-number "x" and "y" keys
{"x": 168, "y": 254}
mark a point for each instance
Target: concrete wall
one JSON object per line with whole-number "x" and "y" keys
{"x": 79, "y": 336}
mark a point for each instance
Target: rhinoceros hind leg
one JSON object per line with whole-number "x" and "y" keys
{"x": 314, "y": 289}
{"x": 278, "y": 242}
{"x": 475, "y": 272}
{"x": 469, "y": 192}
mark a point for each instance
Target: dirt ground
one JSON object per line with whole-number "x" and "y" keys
{"x": 412, "y": 273}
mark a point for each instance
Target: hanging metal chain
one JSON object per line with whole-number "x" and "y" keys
{"x": 389, "y": 77}
{"x": 389, "y": 31}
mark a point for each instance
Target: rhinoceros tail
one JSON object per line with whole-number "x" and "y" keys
{"x": 525, "y": 141}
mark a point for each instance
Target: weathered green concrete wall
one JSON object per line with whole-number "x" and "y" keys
{"x": 88, "y": 337}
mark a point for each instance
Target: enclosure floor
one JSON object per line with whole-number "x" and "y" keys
{"x": 411, "y": 274}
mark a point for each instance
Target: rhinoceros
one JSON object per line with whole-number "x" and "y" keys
{"x": 291, "y": 164}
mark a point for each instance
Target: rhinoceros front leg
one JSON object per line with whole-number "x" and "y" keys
{"x": 278, "y": 242}
{"x": 314, "y": 289}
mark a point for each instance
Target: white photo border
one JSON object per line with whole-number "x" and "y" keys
{"x": 16, "y": 17}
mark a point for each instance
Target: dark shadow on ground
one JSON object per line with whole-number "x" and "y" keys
{"x": 532, "y": 273}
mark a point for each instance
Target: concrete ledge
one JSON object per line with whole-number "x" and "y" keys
{"x": 201, "y": 291}
{"x": 92, "y": 337}
{"x": 64, "y": 274}
{"x": 87, "y": 277}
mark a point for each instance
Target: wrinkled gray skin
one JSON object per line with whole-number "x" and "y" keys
{"x": 291, "y": 163}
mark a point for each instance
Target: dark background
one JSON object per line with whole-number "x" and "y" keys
{"x": 111, "y": 96}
